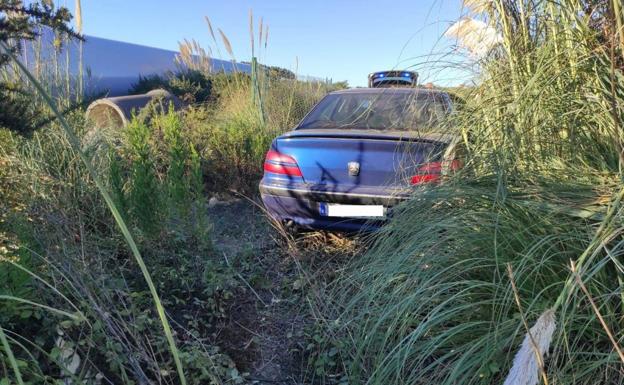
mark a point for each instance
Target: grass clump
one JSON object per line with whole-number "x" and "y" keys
{"x": 68, "y": 240}
{"x": 433, "y": 291}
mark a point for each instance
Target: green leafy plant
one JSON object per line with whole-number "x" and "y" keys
{"x": 115, "y": 212}
{"x": 117, "y": 182}
{"x": 177, "y": 152}
{"x": 191, "y": 86}
{"x": 144, "y": 191}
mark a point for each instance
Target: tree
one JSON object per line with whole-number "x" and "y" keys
{"x": 19, "y": 23}
{"x": 280, "y": 73}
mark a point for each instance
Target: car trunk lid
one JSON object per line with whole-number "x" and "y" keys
{"x": 343, "y": 160}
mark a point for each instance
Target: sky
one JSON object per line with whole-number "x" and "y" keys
{"x": 336, "y": 39}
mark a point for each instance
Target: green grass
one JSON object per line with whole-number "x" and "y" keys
{"x": 433, "y": 293}
{"x": 75, "y": 144}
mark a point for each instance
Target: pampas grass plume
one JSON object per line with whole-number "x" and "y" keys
{"x": 529, "y": 359}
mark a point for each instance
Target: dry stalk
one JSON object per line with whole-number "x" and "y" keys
{"x": 579, "y": 281}
{"x": 534, "y": 345}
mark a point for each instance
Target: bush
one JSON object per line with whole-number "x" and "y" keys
{"x": 144, "y": 191}
{"x": 50, "y": 204}
{"x": 20, "y": 110}
{"x": 91, "y": 299}
{"x": 190, "y": 86}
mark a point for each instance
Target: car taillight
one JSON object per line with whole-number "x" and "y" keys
{"x": 279, "y": 163}
{"x": 431, "y": 172}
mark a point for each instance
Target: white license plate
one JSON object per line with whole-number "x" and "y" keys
{"x": 351, "y": 211}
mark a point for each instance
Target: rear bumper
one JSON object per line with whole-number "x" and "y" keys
{"x": 361, "y": 196}
{"x": 300, "y": 204}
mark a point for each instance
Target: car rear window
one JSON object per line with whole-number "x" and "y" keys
{"x": 388, "y": 110}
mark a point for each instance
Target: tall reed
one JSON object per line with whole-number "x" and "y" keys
{"x": 78, "y": 18}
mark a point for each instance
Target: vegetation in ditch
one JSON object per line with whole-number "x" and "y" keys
{"x": 54, "y": 217}
{"x": 76, "y": 306}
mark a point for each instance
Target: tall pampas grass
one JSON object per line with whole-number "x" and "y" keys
{"x": 228, "y": 46}
{"x": 528, "y": 362}
{"x": 478, "y": 6}
{"x": 212, "y": 35}
{"x": 475, "y": 36}
{"x": 192, "y": 56}
{"x": 430, "y": 302}
{"x": 260, "y": 26}
{"x": 78, "y": 20}
{"x": 251, "y": 33}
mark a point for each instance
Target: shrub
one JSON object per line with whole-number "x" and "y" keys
{"x": 95, "y": 302}
{"x": 20, "y": 110}
{"x": 234, "y": 133}
{"x": 178, "y": 155}
{"x": 144, "y": 191}
{"x": 15, "y": 234}
{"x": 86, "y": 264}
{"x": 191, "y": 86}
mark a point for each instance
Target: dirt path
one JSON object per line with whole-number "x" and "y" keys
{"x": 265, "y": 329}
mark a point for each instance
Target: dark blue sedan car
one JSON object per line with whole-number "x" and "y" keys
{"x": 358, "y": 153}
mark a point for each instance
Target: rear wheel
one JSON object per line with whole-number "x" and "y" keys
{"x": 291, "y": 228}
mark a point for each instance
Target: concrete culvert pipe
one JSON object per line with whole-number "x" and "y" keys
{"x": 117, "y": 111}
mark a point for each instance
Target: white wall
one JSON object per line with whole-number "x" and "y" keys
{"x": 113, "y": 66}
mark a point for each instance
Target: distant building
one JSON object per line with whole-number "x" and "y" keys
{"x": 110, "y": 66}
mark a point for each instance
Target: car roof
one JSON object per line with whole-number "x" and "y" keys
{"x": 381, "y": 90}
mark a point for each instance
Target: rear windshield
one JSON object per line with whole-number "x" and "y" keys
{"x": 388, "y": 110}
{"x": 387, "y": 83}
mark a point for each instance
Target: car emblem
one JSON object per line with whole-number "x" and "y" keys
{"x": 354, "y": 168}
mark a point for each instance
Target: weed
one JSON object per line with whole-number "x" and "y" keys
{"x": 158, "y": 170}
{"x": 144, "y": 192}
{"x": 177, "y": 151}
